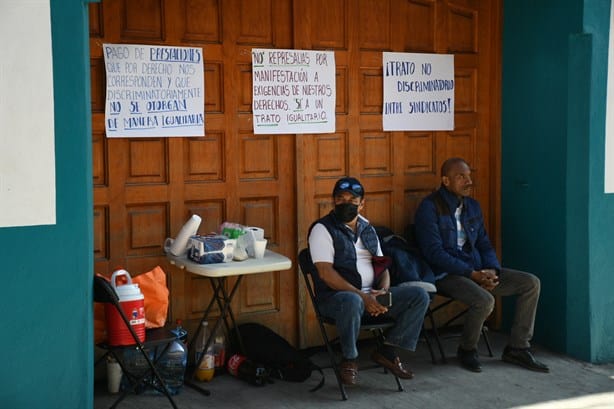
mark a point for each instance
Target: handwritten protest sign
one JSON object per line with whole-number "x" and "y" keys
{"x": 154, "y": 91}
{"x": 418, "y": 92}
{"x": 293, "y": 91}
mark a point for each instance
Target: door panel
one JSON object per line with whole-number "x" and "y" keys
{"x": 146, "y": 188}
{"x": 397, "y": 168}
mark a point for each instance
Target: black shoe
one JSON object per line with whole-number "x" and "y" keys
{"x": 469, "y": 359}
{"x": 524, "y": 358}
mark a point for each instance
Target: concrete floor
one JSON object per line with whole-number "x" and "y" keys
{"x": 571, "y": 384}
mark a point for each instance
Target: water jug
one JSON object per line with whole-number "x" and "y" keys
{"x": 171, "y": 366}
{"x": 133, "y": 304}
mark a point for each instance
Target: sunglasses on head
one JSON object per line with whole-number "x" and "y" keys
{"x": 355, "y": 187}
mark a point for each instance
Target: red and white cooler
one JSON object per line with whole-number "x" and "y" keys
{"x": 132, "y": 302}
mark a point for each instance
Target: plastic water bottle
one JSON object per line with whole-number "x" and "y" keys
{"x": 181, "y": 333}
{"x": 172, "y": 365}
{"x": 135, "y": 364}
{"x": 206, "y": 369}
{"x": 199, "y": 344}
{"x": 244, "y": 368}
{"x": 219, "y": 353}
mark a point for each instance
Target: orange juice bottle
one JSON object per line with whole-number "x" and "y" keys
{"x": 206, "y": 369}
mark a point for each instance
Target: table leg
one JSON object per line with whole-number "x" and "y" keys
{"x": 189, "y": 378}
{"x": 227, "y": 309}
{"x": 200, "y": 324}
{"x": 223, "y": 300}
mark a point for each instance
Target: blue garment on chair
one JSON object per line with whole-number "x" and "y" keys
{"x": 407, "y": 264}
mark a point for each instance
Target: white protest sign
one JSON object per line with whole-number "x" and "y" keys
{"x": 154, "y": 91}
{"x": 418, "y": 92}
{"x": 293, "y": 91}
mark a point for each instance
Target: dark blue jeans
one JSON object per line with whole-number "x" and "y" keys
{"x": 409, "y": 305}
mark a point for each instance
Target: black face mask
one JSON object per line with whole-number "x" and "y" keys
{"x": 346, "y": 212}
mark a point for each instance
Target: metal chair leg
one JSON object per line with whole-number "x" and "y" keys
{"x": 427, "y": 339}
{"x": 436, "y": 335}
{"x": 487, "y": 340}
{"x": 333, "y": 362}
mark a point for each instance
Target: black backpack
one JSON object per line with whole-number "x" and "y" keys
{"x": 285, "y": 362}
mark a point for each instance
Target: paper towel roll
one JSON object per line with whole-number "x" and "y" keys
{"x": 251, "y": 235}
{"x": 257, "y": 232}
{"x": 180, "y": 244}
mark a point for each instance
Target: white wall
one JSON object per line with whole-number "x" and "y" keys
{"x": 27, "y": 155}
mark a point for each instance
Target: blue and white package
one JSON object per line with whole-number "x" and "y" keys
{"x": 211, "y": 249}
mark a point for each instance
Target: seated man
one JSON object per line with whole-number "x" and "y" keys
{"x": 452, "y": 237}
{"x": 342, "y": 246}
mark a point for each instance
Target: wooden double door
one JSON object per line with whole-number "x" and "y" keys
{"x": 146, "y": 188}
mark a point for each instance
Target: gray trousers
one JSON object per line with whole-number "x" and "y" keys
{"x": 481, "y": 303}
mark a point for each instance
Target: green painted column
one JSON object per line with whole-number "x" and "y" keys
{"x": 46, "y": 303}
{"x": 556, "y": 220}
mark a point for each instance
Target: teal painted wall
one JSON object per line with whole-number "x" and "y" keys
{"x": 46, "y": 302}
{"x": 601, "y": 206}
{"x": 534, "y": 151}
{"x": 555, "y": 217}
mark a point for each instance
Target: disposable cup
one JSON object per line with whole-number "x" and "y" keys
{"x": 259, "y": 247}
{"x": 114, "y": 376}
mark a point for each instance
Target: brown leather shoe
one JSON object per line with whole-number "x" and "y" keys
{"x": 349, "y": 372}
{"x": 396, "y": 366}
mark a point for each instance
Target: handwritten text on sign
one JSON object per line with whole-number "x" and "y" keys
{"x": 154, "y": 91}
{"x": 293, "y": 91}
{"x": 418, "y": 92}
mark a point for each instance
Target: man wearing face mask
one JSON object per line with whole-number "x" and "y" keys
{"x": 342, "y": 246}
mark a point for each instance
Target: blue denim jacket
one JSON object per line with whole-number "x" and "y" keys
{"x": 436, "y": 235}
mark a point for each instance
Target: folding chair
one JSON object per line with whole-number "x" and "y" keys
{"x": 400, "y": 244}
{"x": 447, "y": 329}
{"x": 426, "y": 335}
{"x": 157, "y": 341}
{"x": 376, "y": 328}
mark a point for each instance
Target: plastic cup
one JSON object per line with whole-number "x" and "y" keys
{"x": 114, "y": 375}
{"x": 259, "y": 247}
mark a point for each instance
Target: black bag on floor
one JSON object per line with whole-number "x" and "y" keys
{"x": 284, "y": 361}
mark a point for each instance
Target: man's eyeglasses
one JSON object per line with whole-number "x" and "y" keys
{"x": 355, "y": 187}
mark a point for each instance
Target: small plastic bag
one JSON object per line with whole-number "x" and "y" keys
{"x": 232, "y": 230}
{"x": 155, "y": 292}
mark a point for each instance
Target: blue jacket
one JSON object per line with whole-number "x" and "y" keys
{"x": 345, "y": 252}
{"x": 436, "y": 235}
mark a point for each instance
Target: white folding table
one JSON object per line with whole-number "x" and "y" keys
{"x": 217, "y": 274}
